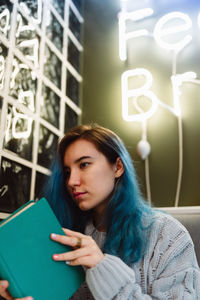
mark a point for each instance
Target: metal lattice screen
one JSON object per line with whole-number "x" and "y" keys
{"x": 40, "y": 77}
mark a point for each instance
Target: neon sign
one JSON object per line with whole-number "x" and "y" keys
{"x": 161, "y": 29}
{"x": 171, "y": 33}
{"x": 177, "y": 81}
{"x": 123, "y": 35}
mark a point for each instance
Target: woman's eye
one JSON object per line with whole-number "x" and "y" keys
{"x": 84, "y": 165}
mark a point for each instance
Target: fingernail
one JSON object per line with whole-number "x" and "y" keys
{"x": 3, "y": 283}
{"x": 55, "y": 256}
{"x": 53, "y": 235}
{"x": 67, "y": 262}
{"x": 29, "y": 298}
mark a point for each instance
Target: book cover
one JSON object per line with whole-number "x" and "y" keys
{"x": 26, "y": 255}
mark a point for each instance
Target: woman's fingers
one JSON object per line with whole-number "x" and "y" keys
{"x": 73, "y": 233}
{"x": 26, "y": 298}
{"x": 66, "y": 240}
{"x": 73, "y": 241}
{"x": 71, "y": 255}
{"x": 5, "y": 294}
{"x": 86, "y": 252}
{"x": 3, "y": 290}
{"x": 87, "y": 261}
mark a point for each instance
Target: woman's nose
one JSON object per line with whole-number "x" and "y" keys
{"x": 74, "y": 179}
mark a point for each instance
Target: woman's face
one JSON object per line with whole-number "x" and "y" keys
{"x": 90, "y": 178}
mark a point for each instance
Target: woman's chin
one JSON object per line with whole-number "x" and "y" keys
{"x": 83, "y": 206}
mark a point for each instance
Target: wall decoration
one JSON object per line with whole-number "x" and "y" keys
{"x": 171, "y": 31}
{"x": 40, "y": 78}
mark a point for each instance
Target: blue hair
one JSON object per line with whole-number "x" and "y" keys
{"x": 126, "y": 234}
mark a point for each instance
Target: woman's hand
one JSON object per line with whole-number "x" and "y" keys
{"x": 5, "y": 294}
{"x": 85, "y": 253}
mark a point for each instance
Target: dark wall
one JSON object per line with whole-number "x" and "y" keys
{"x": 102, "y": 102}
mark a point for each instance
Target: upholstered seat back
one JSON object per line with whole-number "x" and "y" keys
{"x": 192, "y": 223}
{"x": 190, "y": 218}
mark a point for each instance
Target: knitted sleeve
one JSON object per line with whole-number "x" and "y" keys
{"x": 169, "y": 269}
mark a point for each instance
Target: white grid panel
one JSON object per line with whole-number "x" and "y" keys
{"x": 16, "y": 60}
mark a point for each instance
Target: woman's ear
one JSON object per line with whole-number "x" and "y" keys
{"x": 119, "y": 168}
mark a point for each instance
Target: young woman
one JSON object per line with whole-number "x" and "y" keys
{"x": 128, "y": 250}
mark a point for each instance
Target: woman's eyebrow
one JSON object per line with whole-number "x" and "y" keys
{"x": 81, "y": 158}
{"x": 78, "y": 160}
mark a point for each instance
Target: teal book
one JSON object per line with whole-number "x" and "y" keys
{"x": 26, "y": 251}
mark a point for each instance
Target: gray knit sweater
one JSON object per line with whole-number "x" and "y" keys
{"x": 168, "y": 270}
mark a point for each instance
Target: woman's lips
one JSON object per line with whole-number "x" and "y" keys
{"x": 78, "y": 195}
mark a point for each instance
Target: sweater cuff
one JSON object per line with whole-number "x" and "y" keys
{"x": 108, "y": 277}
